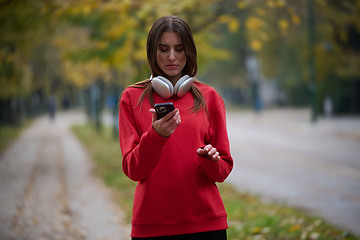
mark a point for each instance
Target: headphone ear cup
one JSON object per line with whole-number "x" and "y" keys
{"x": 162, "y": 86}
{"x": 183, "y": 85}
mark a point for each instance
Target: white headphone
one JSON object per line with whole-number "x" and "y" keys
{"x": 165, "y": 88}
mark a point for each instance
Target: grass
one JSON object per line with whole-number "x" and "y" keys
{"x": 9, "y": 133}
{"x": 249, "y": 217}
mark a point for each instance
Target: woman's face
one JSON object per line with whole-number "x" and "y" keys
{"x": 170, "y": 55}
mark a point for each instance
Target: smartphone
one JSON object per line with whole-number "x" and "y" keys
{"x": 163, "y": 108}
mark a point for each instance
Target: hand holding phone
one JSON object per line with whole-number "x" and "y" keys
{"x": 163, "y": 108}
{"x": 165, "y": 127}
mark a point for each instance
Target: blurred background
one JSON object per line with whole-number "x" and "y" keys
{"x": 280, "y": 65}
{"x": 258, "y": 54}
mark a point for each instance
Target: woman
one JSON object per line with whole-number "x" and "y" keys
{"x": 177, "y": 159}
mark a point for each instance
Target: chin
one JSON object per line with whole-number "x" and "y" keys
{"x": 172, "y": 74}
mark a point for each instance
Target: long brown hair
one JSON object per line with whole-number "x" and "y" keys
{"x": 171, "y": 24}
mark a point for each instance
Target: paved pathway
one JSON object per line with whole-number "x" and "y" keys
{"x": 281, "y": 156}
{"x": 48, "y": 191}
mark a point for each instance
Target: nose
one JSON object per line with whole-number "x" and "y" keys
{"x": 172, "y": 55}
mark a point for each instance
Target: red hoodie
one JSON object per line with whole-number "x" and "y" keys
{"x": 176, "y": 191}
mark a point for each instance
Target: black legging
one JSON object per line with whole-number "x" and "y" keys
{"x": 213, "y": 235}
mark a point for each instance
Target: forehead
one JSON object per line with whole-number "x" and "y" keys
{"x": 170, "y": 38}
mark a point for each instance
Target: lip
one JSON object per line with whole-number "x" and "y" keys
{"x": 172, "y": 66}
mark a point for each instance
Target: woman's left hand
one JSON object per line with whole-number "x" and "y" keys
{"x": 166, "y": 125}
{"x": 209, "y": 152}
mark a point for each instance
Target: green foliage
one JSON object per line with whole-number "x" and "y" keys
{"x": 248, "y": 216}
{"x": 24, "y": 25}
{"x": 251, "y": 218}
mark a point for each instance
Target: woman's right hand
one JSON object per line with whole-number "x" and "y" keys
{"x": 166, "y": 125}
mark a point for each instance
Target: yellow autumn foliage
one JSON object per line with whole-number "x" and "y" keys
{"x": 83, "y": 74}
{"x": 283, "y": 25}
{"x": 207, "y": 51}
{"x": 233, "y": 25}
{"x": 254, "y": 23}
{"x": 261, "y": 12}
{"x": 256, "y": 45}
{"x": 296, "y": 19}
{"x": 224, "y": 18}
{"x": 101, "y": 44}
{"x": 120, "y": 27}
{"x": 140, "y": 51}
{"x": 232, "y": 22}
{"x": 242, "y": 4}
{"x": 71, "y": 39}
{"x": 276, "y": 3}
{"x": 122, "y": 55}
{"x": 118, "y": 6}
{"x": 295, "y": 228}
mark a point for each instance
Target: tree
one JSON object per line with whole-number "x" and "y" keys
{"x": 276, "y": 32}
{"x": 25, "y": 25}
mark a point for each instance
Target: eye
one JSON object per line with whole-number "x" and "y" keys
{"x": 163, "y": 48}
{"x": 179, "y": 48}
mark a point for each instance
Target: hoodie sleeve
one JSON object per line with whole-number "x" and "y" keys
{"x": 220, "y": 170}
{"x": 141, "y": 153}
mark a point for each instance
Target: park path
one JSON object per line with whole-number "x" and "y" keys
{"x": 48, "y": 190}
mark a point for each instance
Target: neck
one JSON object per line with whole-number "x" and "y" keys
{"x": 174, "y": 79}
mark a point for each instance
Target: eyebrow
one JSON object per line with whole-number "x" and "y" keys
{"x": 165, "y": 45}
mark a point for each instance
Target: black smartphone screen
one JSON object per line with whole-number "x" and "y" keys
{"x": 163, "y": 108}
